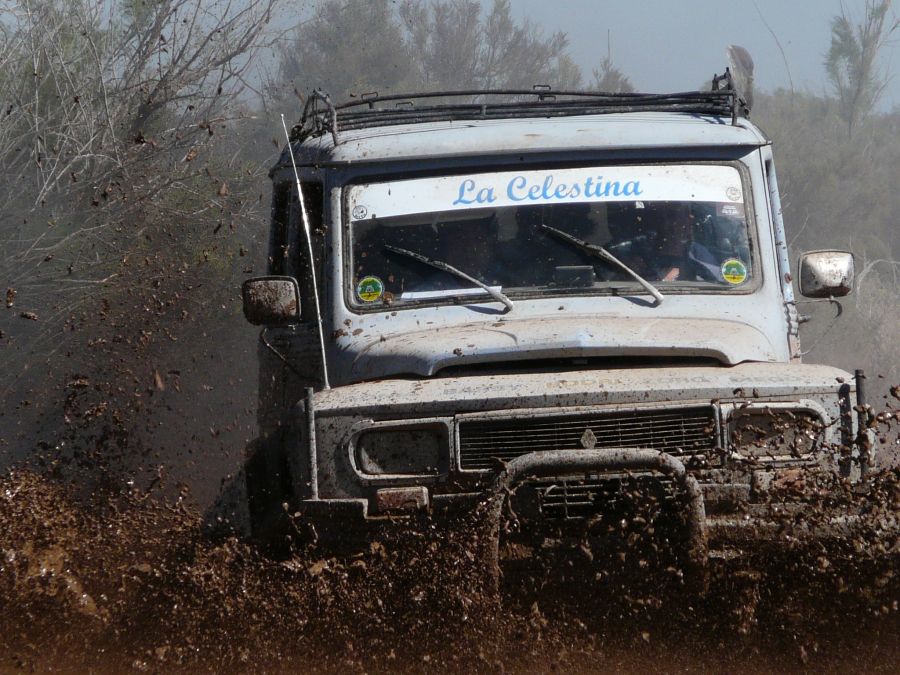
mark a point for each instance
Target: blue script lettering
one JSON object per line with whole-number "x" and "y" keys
{"x": 513, "y": 186}
{"x": 518, "y": 189}
{"x": 469, "y": 195}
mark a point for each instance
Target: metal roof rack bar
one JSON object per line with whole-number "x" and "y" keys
{"x": 321, "y": 116}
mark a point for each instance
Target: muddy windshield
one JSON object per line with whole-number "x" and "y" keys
{"x": 680, "y": 227}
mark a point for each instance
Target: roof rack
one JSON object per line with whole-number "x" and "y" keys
{"x": 321, "y": 116}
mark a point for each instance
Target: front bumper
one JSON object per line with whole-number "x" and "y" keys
{"x": 717, "y": 533}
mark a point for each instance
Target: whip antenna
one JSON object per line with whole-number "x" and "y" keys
{"x": 312, "y": 261}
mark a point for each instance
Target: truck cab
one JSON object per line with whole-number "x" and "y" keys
{"x": 565, "y": 291}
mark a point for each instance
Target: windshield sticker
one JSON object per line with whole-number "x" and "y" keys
{"x": 643, "y": 184}
{"x": 370, "y": 289}
{"x": 734, "y": 271}
{"x": 732, "y": 210}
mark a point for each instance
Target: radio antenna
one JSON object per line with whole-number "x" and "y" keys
{"x": 312, "y": 262}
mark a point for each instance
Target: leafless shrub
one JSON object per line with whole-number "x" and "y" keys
{"x": 108, "y": 105}
{"x": 120, "y": 158}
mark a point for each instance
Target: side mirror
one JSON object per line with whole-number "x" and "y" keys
{"x": 271, "y": 300}
{"x": 826, "y": 274}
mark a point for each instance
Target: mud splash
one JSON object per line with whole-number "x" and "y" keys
{"x": 130, "y": 582}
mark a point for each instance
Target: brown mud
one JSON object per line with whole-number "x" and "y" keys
{"x": 129, "y": 582}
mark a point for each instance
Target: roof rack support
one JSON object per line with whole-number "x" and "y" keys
{"x": 321, "y": 116}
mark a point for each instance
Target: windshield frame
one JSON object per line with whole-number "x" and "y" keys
{"x": 609, "y": 289}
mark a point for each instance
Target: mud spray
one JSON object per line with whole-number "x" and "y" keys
{"x": 105, "y": 566}
{"x": 127, "y": 581}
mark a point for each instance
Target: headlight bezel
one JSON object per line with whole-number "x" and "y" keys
{"x": 431, "y": 473}
{"x": 801, "y": 430}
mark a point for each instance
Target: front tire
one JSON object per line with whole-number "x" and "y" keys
{"x": 269, "y": 492}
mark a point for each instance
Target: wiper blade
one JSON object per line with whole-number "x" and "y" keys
{"x": 445, "y": 267}
{"x": 603, "y": 254}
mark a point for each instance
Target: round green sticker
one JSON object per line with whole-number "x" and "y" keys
{"x": 370, "y": 289}
{"x": 734, "y": 271}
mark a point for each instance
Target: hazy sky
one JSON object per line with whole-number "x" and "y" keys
{"x": 673, "y": 45}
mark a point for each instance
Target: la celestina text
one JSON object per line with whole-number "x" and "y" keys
{"x": 520, "y": 189}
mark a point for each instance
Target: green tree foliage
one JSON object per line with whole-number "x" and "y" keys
{"x": 852, "y": 60}
{"x": 458, "y": 46}
{"x": 833, "y": 185}
{"x": 347, "y": 47}
{"x": 352, "y": 48}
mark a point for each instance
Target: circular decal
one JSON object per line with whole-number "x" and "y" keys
{"x": 359, "y": 212}
{"x": 733, "y": 193}
{"x": 370, "y": 289}
{"x": 734, "y": 271}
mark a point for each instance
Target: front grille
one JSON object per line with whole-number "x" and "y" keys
{"x": 675, "y": 431}
{"x": 614, "y": 496}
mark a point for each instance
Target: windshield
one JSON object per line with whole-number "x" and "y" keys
{"x": 527, "y": 233}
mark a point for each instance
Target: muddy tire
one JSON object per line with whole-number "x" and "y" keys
{"x": 269, "y": 493}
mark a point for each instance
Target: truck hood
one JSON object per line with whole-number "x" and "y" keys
{"x": 425, "y": 352}
{"x": 471, "y": 393}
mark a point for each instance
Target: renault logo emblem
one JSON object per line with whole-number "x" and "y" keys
{"x": 588, "y": 440}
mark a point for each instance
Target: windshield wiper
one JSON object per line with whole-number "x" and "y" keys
{"x": 603, "y": 254}
{"x": 445, "y": 267}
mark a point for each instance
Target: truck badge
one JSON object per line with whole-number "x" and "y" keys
{"x": 588, "y": 440}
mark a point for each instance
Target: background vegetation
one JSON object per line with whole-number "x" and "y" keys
{"x": 135, "y": 137}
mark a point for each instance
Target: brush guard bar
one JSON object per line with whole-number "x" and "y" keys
{"x": 561, "y": 462}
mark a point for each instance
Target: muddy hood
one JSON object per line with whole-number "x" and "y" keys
{"x": 425, "y": 352}
{"x": 473, "y": 393}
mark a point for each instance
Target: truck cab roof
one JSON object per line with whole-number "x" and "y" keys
{"x": 451, "y": 124}
{"x": 617, "y": 131}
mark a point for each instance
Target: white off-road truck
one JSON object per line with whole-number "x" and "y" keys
{"x": 565, "y": 291}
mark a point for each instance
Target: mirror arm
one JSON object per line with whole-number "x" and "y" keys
{"x": 805, "y": 318}
{"x": 281, "y": 357}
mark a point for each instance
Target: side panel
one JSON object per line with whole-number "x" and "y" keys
{"x": 782, "y": 253}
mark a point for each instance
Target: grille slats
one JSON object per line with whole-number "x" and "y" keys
{"x": 633, "y": 431}
{"x": 568, "y": 499}
{"x": 684, "y": 431}
{"x": 513, "y": 440}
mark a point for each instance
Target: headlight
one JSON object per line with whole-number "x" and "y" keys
{"x": 775, "y": 433}
{"x": 419, "y": 450}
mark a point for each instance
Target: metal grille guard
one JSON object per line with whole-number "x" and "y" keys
{"x": 535, "y": 464}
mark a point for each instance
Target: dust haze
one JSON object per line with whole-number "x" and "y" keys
{"x": 135, "y": 142}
